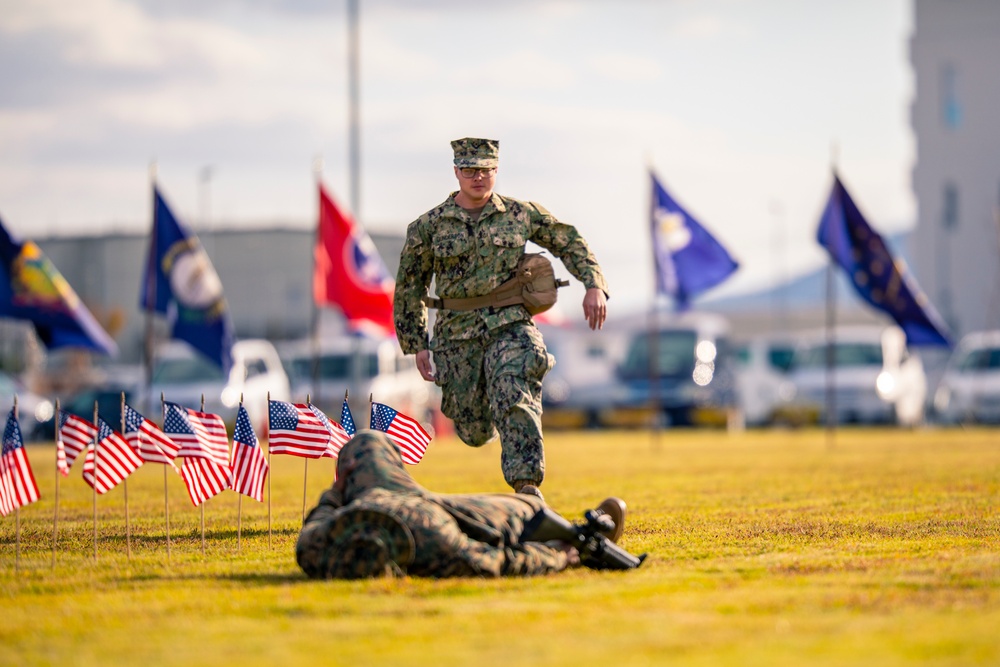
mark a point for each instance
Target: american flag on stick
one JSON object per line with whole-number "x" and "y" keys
{"x": 301, "y": 429}
{"x": 204, "y": 478}
{"x": 153, "y": 445}
{"x": 197, "y": 434}
{"x": 347, "y": 419}
{"x": 17, "y": 483}
{"x": 406, "y": 432}
{"x": 204, "y": 446}
{"x": 75, "y": 434}
{"x": 249, "y": 465}
{"x": 115, "y": 459}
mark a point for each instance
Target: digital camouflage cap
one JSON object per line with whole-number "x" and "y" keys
{"x": 478, "y": 153}
{"x": 355, "y": 543}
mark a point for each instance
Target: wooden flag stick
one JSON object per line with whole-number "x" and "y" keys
{"x": 166, "y": 504}
{"x": 202, "y": 505}
{"x": 17, "y": 518}
{"x": 269, "y": 471}
{"x": 239, "y": 523}
{"x": 55, "y": 513}
{"x": 239, "y": 496}
{"x": 166, "y": 510}
{"x": 97, "y": 445}
{"x": 305, "y": 476}
{"x": 128, "y": 529}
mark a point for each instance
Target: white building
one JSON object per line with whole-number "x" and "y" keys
{"x": 956, "y": 120}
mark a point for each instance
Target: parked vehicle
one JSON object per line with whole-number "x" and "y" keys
{"x": 762, "y": 366}
{"x": 184, "y": 376}
{"x": 969, "y": 390}
{"x": 679, "y": 374}
{"x": 362, "y": 367}
{"x": 32, "y": 410}
{"x": 875, "y": 378}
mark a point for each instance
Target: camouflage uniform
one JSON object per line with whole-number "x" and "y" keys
{"x": 377, "y": 520}
{"x": 489, "y": 362}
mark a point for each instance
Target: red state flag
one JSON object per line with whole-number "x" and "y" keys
{"x": 349, "y": 273}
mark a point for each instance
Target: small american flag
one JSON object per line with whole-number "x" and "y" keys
{"x": 406, "y": 432}
{"x": 115, "y": 459}
{"x": 146, "y": 437}
{"x": 75, "y": 435}
{"x": 198, "y": 434}
{"x": 204, "y": 478}
{"x": 346, "y": 419}
{"x": 249, "y": 464}
{"x": 301, "y": 429}
{"x": 17, "y": 482}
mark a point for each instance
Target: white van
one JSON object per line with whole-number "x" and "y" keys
{"x": 969, "y": 390}
{"x": 875, "y": 378}
{"x": 363, "y": 367}
{"x": 184, "y": 376}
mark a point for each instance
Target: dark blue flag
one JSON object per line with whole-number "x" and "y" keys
{"x": 31, "y": 288}
{"x": 181, "y": 283}
{"x": 688, "y": 259}
{"x": 880, "y": 279}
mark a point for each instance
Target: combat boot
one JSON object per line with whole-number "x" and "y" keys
{"x": 527, "y": 488}
{"x": 615, "y": 509}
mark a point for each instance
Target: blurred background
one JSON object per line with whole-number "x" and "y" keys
{"x": 741, "y": 108}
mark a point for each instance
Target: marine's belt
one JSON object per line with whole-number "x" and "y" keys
{"x": 498, "y": 298}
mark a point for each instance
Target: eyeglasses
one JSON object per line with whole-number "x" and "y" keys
{"x": 472, "y": 172}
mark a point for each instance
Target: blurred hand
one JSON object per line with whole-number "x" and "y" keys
{"x": 425, "y": 366}
{"x": 595, "y": 307}
{"x": 572, "y": 555}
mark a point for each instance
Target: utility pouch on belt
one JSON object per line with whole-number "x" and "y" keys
{"x": 534, "y": 285}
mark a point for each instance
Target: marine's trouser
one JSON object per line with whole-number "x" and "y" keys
{"x": 495, "y": 383}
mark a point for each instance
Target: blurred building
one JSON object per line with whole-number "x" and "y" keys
{"x": 955, "y": 116}
{"x": 266, "y": 275}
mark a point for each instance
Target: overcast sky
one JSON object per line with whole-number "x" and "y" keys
{"x": 740, "y": 106}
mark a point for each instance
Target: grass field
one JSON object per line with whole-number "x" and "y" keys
{"x": 765, "y": 548}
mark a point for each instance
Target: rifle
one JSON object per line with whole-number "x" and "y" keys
{"x": 596, "y": 551}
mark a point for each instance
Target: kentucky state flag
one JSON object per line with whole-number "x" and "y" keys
{"x": 32, "y": 289}
{"x": 181, "y": 283}
{"x": 349, "y": 273}
{"x": 688, "y": 259}
{"x": 878, "y": 278}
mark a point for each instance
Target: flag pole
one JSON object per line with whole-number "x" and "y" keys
{"x": 654, "y": 327}
{"x": 55, "y": 513}
{"x": 305, "y": 476}
{"x": 370, "y": 414}
{"x": 150, "y": 295}
{"x": 97, "y": 448}
{"x": 314, "y": 312}
{"x": 166, "y": 503}
{"x": 128, "y": 530}
{"x": 270, "y": 471}
{"x": 201, "y": 506}
{"x": 831, "y": 316}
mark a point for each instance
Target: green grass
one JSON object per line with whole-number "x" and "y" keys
{"x": 766, "y": 548}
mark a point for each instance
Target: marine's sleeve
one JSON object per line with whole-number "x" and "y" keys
{"x": 457, "y": 555}
{"x": 416, "y": 269}
{"x": 565, "y": 242}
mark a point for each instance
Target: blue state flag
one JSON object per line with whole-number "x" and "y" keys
{"x": 32, "y": 289}
{"x": 688, "y": 259}
{"x": 181, "y": 283}
{"x": 878, "y": 277}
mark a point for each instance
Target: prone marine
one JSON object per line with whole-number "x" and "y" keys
{"x": 376, "y": 520}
